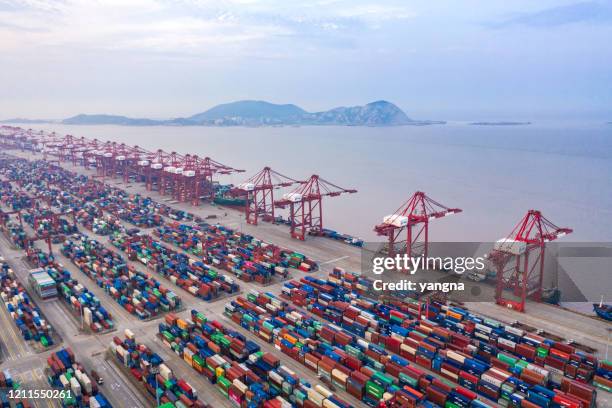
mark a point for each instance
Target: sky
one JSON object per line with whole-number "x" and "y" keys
{"x": 443, "y": 59}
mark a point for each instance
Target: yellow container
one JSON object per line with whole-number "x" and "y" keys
{"x": 219, "y": 372}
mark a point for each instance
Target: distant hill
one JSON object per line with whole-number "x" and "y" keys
{"x": 83, "y": 119}
{"x": 251, "y": 111}
{"x": 254, "y": 113}
{"x": 379, "y": 113}
{"x": 26, "y": 121}
{"x": 261, "y": 113}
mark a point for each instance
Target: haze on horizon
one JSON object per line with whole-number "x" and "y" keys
{"x": 436, "y": 60}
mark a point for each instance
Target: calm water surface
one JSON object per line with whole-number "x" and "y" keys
{"x": 493, "y": 173}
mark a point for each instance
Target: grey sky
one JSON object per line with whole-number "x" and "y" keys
{"x": 443, "y": 59}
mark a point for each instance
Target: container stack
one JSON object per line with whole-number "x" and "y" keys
{"x": 499, "y": 362}
{"x": 603, "y": 376}
{"x": 69, "y": 375}
{"x": 134, "y": 209}
{"x": 245, "y": 256}
{"x": 42, "y": 223}
{"x": 16, "y": 234}
{"x": 348, "y": 239}
{"x": 150, "y": 370}
{"x": 84, "y": 304}
{"x": 239, "y": 369}
{"x": 137, "y": 292}
{"x": 365, "y": 370}
{"x": 23, "y": 310}
{"x": 194, "y": 276}
{"x": 94, "y": 219}
{"x": 6, "y": 380}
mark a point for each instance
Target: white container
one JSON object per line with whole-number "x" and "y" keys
{"x": 129, "y": 334}
{"x": 514, "y": 330}
{"x": 240, "y": 385}
{"x": 87, "y": 315}
{"x": 189, "y": 173}
{"x": 483, "y": 328}
{"x": 64, "y": 381}
{"x": 323, "y": 391}
{"x": 170, "y": 169}
{"x": 246, "y": 186}
{"x": 396, "y": 220}
{"x": 293, "y": 197}
{"x": 165, "y": 372}
{"x": 506, "y": 342}
{"x": 143, "y": 163}
{"x": 75, "y": 386}
{"x": 179, "y": 170}
{"x": 86, "y": 383}
{"x": 108, "y": 155}
{"x": 157, "y": 166}
{"x": 510, "y": 246}
{"x": 120, "y": 158}
{"x": 492, "y": 380}
{"x": 455, "y": 356}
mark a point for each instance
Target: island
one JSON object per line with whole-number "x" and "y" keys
{"x": 261, "y": 113}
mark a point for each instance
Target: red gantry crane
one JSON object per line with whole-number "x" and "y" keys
{"x": 258, "y": 192}
{"x": 413, "y": 216}
{"x": 306, "y": 205}
{"x": 519, "y": 259}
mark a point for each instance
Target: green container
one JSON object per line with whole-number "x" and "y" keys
{"x": 451, "y": 405}
{"x": 602, "y": 386}
{"x": 507, "y": 359}
{"x": 385, "y": 379}
{"x": 374, "y": 390}
{"x": 492, "y": 323}
{"x": 522, "y": 364}
{"x": 44, "y": 341}
{"x": 413, "y": 382}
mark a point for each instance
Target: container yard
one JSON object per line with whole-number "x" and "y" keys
{"x": 81, "y": 302}
{"x": 65, "y": 373}
{"x": 137, "y": 292}
{"x": 214, "y": 312}
{"x": 193, "y": 276}
{"x": 150, "y": 371}
{"x": 23, "y": 310}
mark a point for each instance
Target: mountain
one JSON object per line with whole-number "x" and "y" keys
{"x": 261, "y": 113}
{"x": 256, "y": 112}
{"x": 379, "y": 113}
{"x": 84, "y": 119}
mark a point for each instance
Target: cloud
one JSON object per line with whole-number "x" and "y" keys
{"x": 583, "y": 12}
{"x": 188, "y": 26}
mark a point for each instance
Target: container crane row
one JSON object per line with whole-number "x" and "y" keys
{"x": 306, "y": 205}
{"x": 413, "y": 217}
{"x": 519, "y": 260}
{"x": 258, "y": 192}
